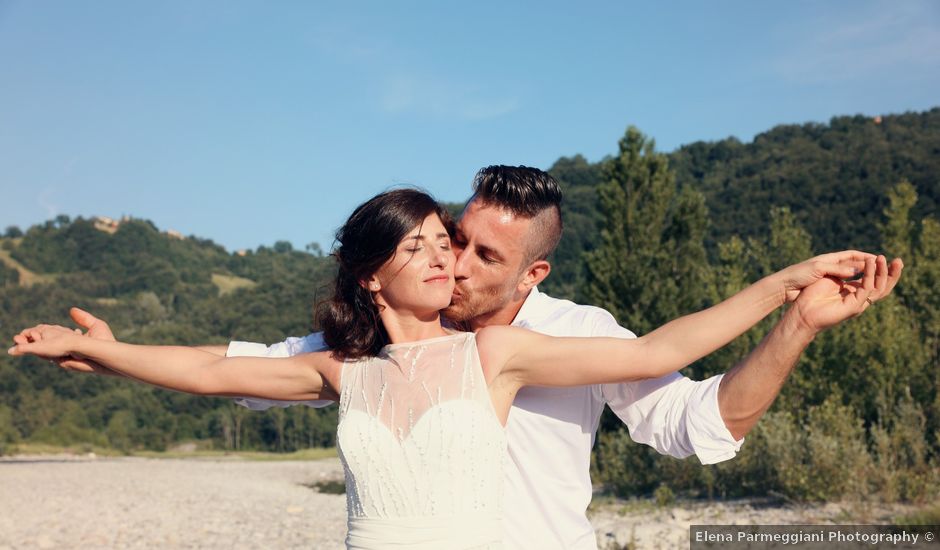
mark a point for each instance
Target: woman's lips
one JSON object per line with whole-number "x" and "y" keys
{"x": 438, "y": 279}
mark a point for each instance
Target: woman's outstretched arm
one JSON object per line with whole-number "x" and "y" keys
{"x": 528, "y": 358}
{"x": 187, "y": 369}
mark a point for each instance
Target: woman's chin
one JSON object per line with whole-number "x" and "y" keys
{"x": 443, "y": 304}
{"x": 440, "y": 305}
{"x": 440, "y": 297}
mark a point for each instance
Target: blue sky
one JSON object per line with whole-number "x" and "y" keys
{"x": 252, "y": 122}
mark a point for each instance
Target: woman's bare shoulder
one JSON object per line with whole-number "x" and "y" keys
{"x": 500, "y": 335}
{"x": 498, "y": 344}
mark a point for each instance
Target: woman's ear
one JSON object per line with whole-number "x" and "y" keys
{"x": 372, "y": 284}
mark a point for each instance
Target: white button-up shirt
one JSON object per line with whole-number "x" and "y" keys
{"x": 551, "y": 430}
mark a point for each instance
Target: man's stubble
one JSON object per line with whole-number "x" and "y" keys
{"x": 476, "y": 303}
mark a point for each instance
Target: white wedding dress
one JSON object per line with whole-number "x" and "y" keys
{"x": 422, "y": 448}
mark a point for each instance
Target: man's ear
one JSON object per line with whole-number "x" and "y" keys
{"x": 534, "y": 274}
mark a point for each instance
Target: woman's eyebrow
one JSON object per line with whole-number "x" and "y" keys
{"x": 422, "y": 237}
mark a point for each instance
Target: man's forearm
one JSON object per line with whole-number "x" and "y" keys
{"x": 748, "y": 389}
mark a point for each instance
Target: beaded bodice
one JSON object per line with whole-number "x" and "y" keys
{"x": 417, "y": 434}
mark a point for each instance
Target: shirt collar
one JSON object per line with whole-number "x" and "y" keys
{"x": 530, "y": 312}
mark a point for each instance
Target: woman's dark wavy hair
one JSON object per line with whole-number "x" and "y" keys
{"x": 350, "y": 319}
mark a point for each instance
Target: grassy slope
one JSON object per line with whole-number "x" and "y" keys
{"x": 27, "y": 277}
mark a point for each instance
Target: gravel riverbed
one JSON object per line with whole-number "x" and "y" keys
{"x": 53, "y": 502}
{"x": 88, "y": 503}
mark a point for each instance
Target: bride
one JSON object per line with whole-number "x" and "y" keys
{"x": 422, "y": 405}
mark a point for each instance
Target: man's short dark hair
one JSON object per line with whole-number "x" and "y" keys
{"x": 529, "y": 193}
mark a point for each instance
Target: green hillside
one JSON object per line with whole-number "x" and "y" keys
{"x": 834, "y": 178}
{"x": 152, "y": 288}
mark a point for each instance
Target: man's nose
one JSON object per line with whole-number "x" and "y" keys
{"x": 460, "y": 266}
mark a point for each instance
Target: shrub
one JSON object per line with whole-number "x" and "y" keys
{"x": 8, "y": 432}
{"x": 821, "y": 458}
{"x": 623, "y": 466}
{"x": 904, "y": 470}
{"x": 664, "y": 495}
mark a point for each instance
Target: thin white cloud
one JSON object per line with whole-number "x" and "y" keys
{"x": 479, "y": 109}
{"x": 903, "y": 37}
{"x": 402, "y": 85}
{"x": 340, "y": 42}
{"x": 69, "y": 167}
{"x": 45, "y": 201}
{"x": 431, "y": 96}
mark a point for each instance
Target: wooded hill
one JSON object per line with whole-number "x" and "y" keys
{"x": 832, "y": 177}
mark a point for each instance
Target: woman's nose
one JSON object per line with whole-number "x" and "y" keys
{"x": 441, "y": 258}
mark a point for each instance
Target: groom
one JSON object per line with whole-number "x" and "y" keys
{"x": 508, "y": 229}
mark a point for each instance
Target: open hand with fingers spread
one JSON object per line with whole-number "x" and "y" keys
{"x": 830, "y": 301}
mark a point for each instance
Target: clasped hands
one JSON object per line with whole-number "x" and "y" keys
{"x": 824, "y": 291}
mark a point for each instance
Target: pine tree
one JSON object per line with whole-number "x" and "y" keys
{"x": 650, "y": 265}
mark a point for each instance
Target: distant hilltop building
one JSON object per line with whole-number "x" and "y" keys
{"x": 110, "y": 225}
{"x": 106, "y": 224}
{"x": 878, "y": 119}
{"x": 241, "y": 252}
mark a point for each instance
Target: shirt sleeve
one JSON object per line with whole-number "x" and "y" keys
{"x": 673, "y": 414}
{"x": 291, "y": 346}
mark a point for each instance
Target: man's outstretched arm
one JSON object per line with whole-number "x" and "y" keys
{"x": 709, "y": 418}
{"x": 749, "y": 389}
{"x": 751, "y": 386}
